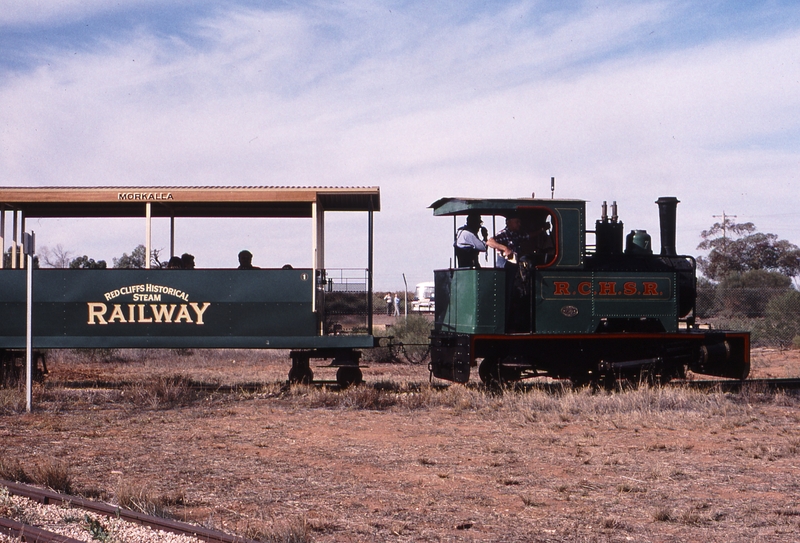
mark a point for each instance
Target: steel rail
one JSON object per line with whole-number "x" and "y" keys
{"x": 182, "y": 528}
{"x": 733, "y": 385}
{"x": 31, "y": 534}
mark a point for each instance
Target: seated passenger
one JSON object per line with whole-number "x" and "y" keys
{"x": 508, "y": 241}
{"x": 246, "y": 261}
{"x": 538, "y": 246}
{"x": 174, "y": 263}
{"x": 468, "y": 246}
{"x": 187, "y": 261}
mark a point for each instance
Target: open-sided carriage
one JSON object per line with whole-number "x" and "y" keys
{"x": 312, "y": 311}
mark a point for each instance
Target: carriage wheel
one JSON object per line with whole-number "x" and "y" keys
{"x": 301, "y": 375}
{"x": 348, "y": 375}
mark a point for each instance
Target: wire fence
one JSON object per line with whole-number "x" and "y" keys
{"x": 771, "y": 315}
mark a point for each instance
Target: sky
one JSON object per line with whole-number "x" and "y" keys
{"x": 622, "y": 101}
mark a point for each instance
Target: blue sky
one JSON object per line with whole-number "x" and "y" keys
{"x": 624, "y": 101}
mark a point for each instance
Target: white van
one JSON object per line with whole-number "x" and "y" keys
{"x": 424, "y": 299}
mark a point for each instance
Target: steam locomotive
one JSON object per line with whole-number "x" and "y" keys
{"x": 570, "y": 310}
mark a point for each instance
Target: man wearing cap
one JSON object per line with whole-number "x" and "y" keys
{"x": 468, "y": 245}
{"x": 507, "y": 243}
{"x": 508, "y": 240}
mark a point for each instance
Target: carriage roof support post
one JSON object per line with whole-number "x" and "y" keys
{"x": 317, "y": 248}
{"x": 2, "y": 234}
{"x": 28, "y": 248}
{"x": 14, "y": 240}
{"x": 21, "y": 236}
{"x": 147, "y": 234}
{"x": 370, "y": 250}
{"x": 172, "y": 234}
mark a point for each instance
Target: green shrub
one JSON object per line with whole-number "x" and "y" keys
{"x": 406, "y": 341}
{"x": 781, "y": 323}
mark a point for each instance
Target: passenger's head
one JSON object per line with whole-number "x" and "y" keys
{"x": 245, "y": 257}
{"x": 513, "y": 222}
{"x": 187, "y": 261}
{"x": 474, "y": 220}
{"x": 174, "y": 263}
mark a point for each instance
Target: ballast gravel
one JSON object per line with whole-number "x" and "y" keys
{"x": 79, "y": 524}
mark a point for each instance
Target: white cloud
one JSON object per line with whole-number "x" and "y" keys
{"x": 425, "y": 103}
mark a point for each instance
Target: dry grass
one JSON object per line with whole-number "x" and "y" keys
{"x": 397, "y": 459}
{"x": 12, "y": 400}
{"x": 51, "y": 473}
{"x": 144, "y": 499}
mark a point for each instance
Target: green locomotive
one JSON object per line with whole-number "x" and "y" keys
{"x": 565, "y": 309}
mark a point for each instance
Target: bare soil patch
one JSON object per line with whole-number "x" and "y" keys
{"x": 398, "y": 460}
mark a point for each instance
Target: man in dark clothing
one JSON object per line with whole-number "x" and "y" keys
{"x": 246, "y": 261}
{"x": 468, "y": 246}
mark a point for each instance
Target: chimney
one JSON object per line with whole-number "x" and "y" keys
{"x": 667, "y": 213}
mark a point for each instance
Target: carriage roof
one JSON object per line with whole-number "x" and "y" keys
{"x": 183, "y": 201}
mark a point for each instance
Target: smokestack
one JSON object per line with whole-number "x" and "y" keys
{"x": 667, "y": 216}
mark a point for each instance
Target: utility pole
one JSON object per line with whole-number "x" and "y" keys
{"x": 725, "y": 217}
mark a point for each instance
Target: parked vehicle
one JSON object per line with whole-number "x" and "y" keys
{"x": 424, "y": 297}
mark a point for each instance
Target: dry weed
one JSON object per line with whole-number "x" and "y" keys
{"x": 293, "y": 531}
{"x": 12, "y": 400}
{"x": 12, "y": 470}
{"x": 144, "y": 499}
{"x": 53, "y": 474}
{"x": 162, "y": 392}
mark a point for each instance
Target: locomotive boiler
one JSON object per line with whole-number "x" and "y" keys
{"x": 567, "y": 309}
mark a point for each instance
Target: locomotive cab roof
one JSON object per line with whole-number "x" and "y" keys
{"x": 496, "y": 206}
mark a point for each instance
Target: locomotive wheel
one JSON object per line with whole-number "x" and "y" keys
{"x": 301, "y": 375}
{"x": 347, "y": 376}
{"x": 489, "y": 372}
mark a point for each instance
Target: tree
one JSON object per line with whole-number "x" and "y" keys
{"x": 740, "y": 248}
{"x": 86, "y": 263}
{"x": 55, "y": 258}
{"x": 137, "y": 259}
{"x": 748, "y": 293}
{"x": 7, "y": 259}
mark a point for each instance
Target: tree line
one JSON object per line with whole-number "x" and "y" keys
{"x": 750, "y": 281}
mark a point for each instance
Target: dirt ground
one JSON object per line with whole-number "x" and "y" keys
{"x": 398, "y": 460}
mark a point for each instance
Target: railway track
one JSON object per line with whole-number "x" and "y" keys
{"x": 733, "y": 385}
{"x": 27, "y": 533}
{"x": 725, "y": 385}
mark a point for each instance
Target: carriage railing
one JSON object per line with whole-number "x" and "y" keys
{"x": 344, "y": 297}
